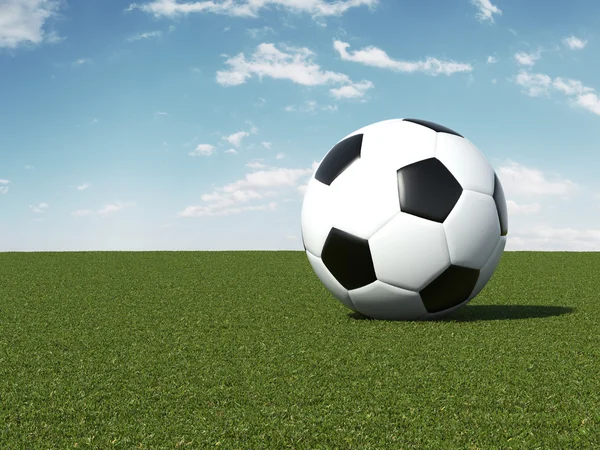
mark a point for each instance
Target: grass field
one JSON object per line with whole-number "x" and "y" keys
{"x": 248, "y": 350}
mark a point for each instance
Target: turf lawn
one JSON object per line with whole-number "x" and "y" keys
{"x": 248, "y": 350}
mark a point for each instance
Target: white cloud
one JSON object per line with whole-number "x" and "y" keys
{"x": 543, "y": 237}
{"x": 486, "y": 10}
{"x": 145, "y": 35}
{"x": 199, "y": 211}
{"x": 527, "y": 191}
{"x": 83, "y": 187}
{"x": 570, "y": 87}
{"x": 492, "y": 60}
{"x": 4, "y": 186}
{"x": 23, "y": 21}
{"x": 40, "y": 208}
{"x": 249, "y": 8}
{"x": 226, "y": 203}
{"x": 278, "y": 177}
{"x": 528, "y": 59}
{"x": 279, "y": 156}
{"x": 255, "y": 165}
{"x": 537, "y": 84}
{"x": 160, "y": 113}
{"x": 203, "y": 150}
{"x": 256, "y": 32}
{"x": 520, "y": 181}
{"x": 254, "y": 186}
{"x": 228, "y": 199}
{"x": 373, "y": 56}
{"x": 294, "y": 64}
{"x": 105, "y": 211}
{"x": 81, "y": 62}
{"x": 353, "y": 90}
{"x": 515, "y": 208}
{"x": 311, "y": 106}
{"x": 29, "y": 167}
{"x": 232, "y": 151}
{"x": 574, "y": 43}
{"x": 111, "y": 209}
{"x": 266, "y": 145}
{"x": 236, "y": 138}
{"x": 591, "y": 102}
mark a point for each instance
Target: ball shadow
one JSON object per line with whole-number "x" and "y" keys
{"x": 474, "y": 313}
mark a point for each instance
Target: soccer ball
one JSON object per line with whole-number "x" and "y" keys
{"x": 404, "y": 220}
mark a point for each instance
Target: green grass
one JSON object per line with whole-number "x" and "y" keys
{"x": 248, "y": 350}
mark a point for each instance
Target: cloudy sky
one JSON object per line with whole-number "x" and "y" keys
{"x": 173, "y": 124}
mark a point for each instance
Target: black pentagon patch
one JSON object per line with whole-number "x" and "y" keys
{"x": 500, "y": 201}
{"x": 434, "y": 126}
{"x": 348, "y": 258}
{"x": 449, "y": 289}
{"x": 427, "y": 189}
{"x": 339, "y": 159}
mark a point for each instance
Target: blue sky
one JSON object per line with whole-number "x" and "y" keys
{"x": 168, "y": 125}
